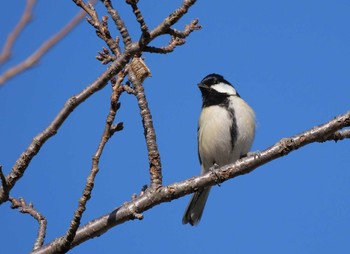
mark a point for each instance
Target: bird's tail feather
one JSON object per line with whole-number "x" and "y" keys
{"x": 195, "y": 207}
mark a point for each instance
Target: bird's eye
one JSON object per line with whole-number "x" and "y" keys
{"x": 213, "y": 81}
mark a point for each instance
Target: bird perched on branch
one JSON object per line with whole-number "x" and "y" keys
{"x": 226, "y": 131}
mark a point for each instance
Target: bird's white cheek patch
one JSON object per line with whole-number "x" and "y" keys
{"x": 224, "y": 88}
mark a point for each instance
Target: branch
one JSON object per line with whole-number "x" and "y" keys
{"x": 109, "y": 130}
{"x": 134, "y": 49}
{"x": 105, "y": 57}
{"x": 12, "y": 37}
{"x": 28, "y": 208}
{"x": 187, "y": 31}
{"x": 338, "y": 135}
{"x": 46, "y": 46}
{"x": 139, "y": 17}
{"x": 138, "y": 71}
{"x": 175, "y": 41}
{"x": 4, "y": 186}
{"x": 102, "y": 30}
{"x": 176, "y": 190}
{"x": 118, "y": 22}
{"x": 175, "y": 16}
{"x": 23, "y": 161}
{"x": 177, "y": 38}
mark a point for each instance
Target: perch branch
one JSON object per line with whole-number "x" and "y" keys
{"x": 29, "y": 208}
{"x": 173, "y": 191}
{"x": 12, "y": 37}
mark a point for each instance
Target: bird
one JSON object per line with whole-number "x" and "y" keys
{"x": 226, "y": 130}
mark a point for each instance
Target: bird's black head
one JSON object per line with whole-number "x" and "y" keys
{"x": 213, "y": 79}
{"x": 216, "y": 90}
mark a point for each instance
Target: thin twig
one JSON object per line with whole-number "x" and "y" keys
{"x": 187, "y": 31}
{"x": 105, "y": 57}
{"x": 90, "y": 10}
{"x": 176, "y": 190}
{"x": 338, "y": 135}
{"x": 102, "y": 30}
{"x": 177, "y": 38}
{"x": 46, "y": 46}
{"x": 106, "y": 36}
{"x": 138, "y": 71}
{"x": 163, "y": 28}
{"x": 29, "y": 208}
{"x": 4, "y": 184}
{"x": 118, "y": 22}
{"x": 109, "y": 130}
{"x": 175, "y": 41}
{"x": 129, "y": 89}
{"x": 12, "y": 37}
{"x": 139, "y": 17}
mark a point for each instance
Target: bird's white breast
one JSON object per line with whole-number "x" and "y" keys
{"x": 214, "y": 133}
{"x": 245, "y": 119}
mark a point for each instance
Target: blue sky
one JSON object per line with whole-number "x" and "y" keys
{"x": 289, "y": 60}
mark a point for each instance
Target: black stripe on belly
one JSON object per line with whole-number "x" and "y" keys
{"x": 233, "y": 129}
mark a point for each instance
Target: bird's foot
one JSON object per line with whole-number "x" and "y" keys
{"x": 256, "y": 154}
{"x": 213, "y": 170}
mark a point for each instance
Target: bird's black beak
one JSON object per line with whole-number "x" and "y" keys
{"x": 203, "y": 87}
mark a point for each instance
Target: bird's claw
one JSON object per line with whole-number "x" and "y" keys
{"x": 213, "y": 170}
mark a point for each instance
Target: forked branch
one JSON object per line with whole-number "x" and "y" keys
{"x": 122, "y": 58}
{"x": 173, "y": 191}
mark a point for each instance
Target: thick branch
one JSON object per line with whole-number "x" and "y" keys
{"x": 25, "y": 19}
{"x": 29, "y": 208}
{"x": 173, "y": 191}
